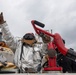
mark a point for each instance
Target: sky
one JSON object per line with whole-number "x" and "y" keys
{"x": 58, "y": 15}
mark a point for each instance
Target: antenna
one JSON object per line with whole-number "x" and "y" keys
{"x": 51, "y": 31}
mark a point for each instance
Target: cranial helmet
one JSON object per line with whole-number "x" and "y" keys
{"x": 29, "y": 36}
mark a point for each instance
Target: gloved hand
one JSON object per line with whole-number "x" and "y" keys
{"x": 2, "y": 18}
{"x": 45, "y": 38}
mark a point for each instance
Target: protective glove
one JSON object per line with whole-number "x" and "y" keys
{"x": 45, "y": 38}
{"x": 2, "y": 18}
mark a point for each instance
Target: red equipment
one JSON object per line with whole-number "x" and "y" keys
{"x": 52, "y": 64}
{"x": 58, "y": 43}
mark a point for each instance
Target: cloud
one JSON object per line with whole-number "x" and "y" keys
{"x": 58, "y": 15}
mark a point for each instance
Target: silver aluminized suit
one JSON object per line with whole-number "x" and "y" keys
{"x": 30, "y": 56}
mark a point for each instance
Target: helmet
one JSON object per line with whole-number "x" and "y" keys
{"x": 29, "y": 36}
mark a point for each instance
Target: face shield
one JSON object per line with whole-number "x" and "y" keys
{"x": 29, "y": 36}
{"x": 29, "y": 39}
